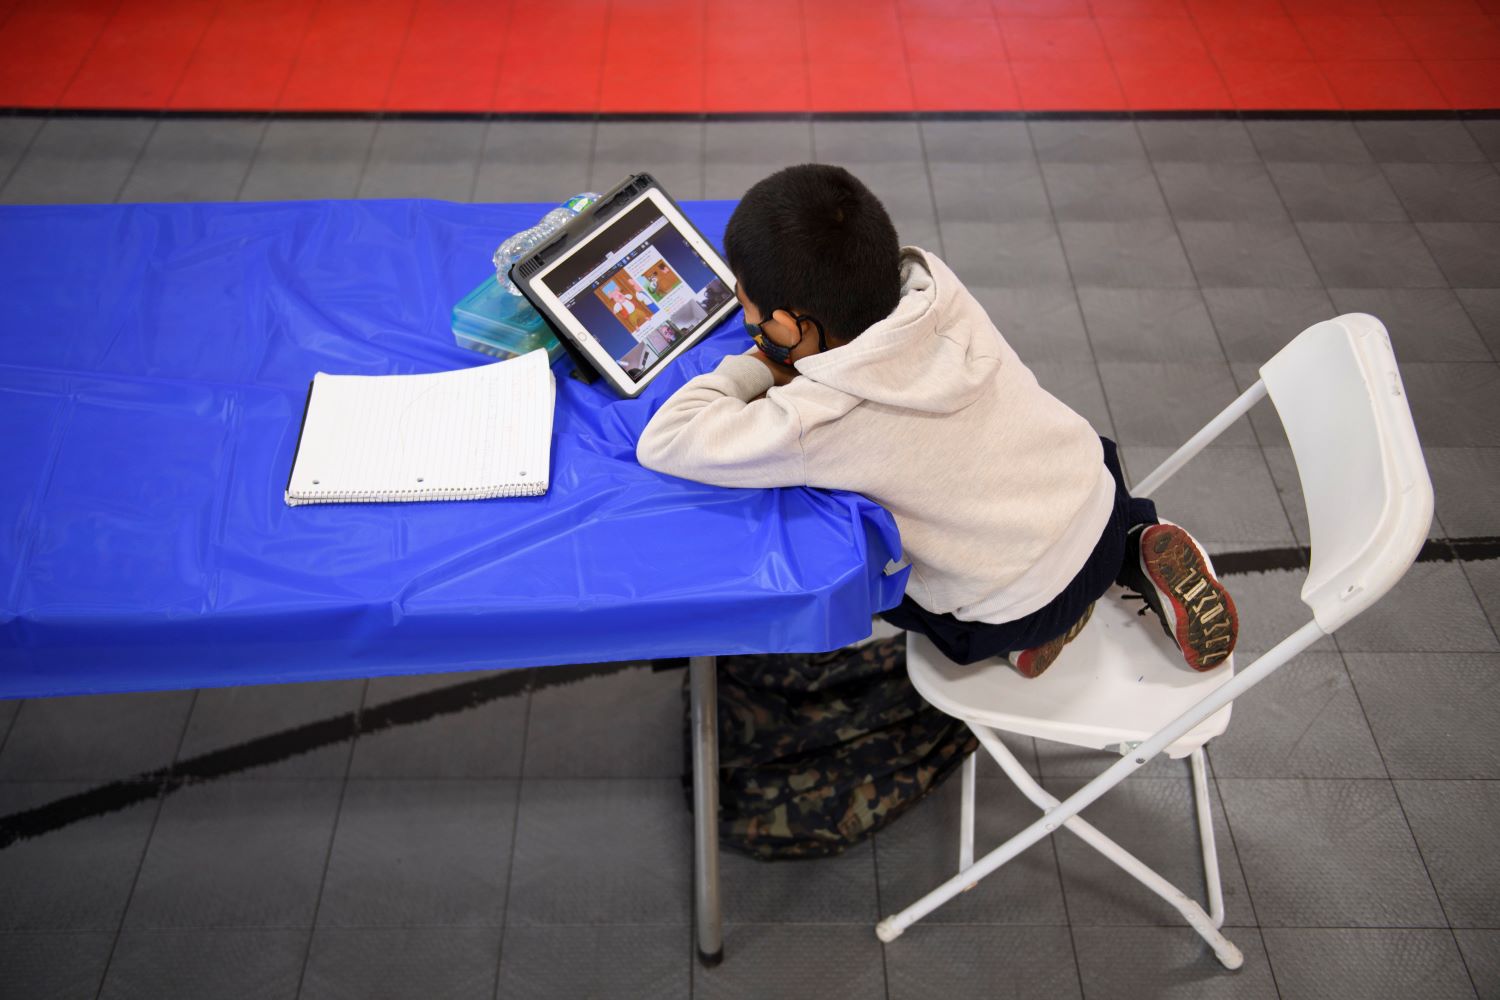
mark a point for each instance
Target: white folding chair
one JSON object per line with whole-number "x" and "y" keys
{"x": 1122, "y": 685}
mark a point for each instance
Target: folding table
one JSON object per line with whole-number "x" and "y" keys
{"x": 154, "y": 364}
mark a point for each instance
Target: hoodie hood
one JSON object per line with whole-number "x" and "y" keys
{"x": 935, "y": 352}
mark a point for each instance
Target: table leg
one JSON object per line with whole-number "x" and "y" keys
{"x": 704, "y": 684}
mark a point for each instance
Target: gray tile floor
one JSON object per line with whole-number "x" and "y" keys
{"x": 536, "y": 845}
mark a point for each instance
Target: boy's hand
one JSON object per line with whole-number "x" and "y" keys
{"x": 780, "y": 372}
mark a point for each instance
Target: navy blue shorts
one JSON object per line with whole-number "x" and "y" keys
{"x": 970, "y": 642}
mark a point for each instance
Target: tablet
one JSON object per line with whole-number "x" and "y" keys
{"x": 629, "y": 285}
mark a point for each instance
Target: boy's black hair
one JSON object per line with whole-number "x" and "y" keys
{"x": 812, "y": 237}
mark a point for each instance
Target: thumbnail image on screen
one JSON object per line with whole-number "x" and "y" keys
{"x": 645, "y": 289}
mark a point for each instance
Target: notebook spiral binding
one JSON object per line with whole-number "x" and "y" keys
{"x": 533, "y": 489}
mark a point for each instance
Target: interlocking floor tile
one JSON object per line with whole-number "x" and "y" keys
{"x": 94, "y": 737}
{"x": 836, "y": 890}
{"x": 784, "y": 960}
{"x": 1447, "y": 192}
{"x": 1155, "y": 820}
{"x": 16, "y": 135}
{"x": 1041, "y": 324}
{"x": 1144, "y": 253}
{"x": 1248, "y": 254}
{"x": 1133, "y": 963}
{"x": 1419, "y": 141}
{"x": 54, "y": 965}
{"x": 77, "y": 877}
{"x": 1483, "y": 306}
{"x": 1425, "y": 324}
{"x": 1086, "y": 141}
{"x": 672, "y": 152}
{"x": 1005, "y": 254}
{"x": 527, "y": 161}
{"x": 236, "y": 854}
{"x": 1486, "y": 133}
{"x": 420, "y": 853}
{"x": 1450, "y": 820}
{"x": 623, "y": 724}
{"x": 1144, "y": 324}
{"x": 1468, "y": 252}
{"x": 1371, "y": 255}
{"x": 1164, "y": 403}
{"x": 478, "y": 741}
{"x": 619, "y": 962}
{"x": 1077, "y": 384}
{"x": 1384, "y": 963}
{"x": 8, "y": 709}
{"x": 308, "y": 159}
{"x": 1337, "y": 192}
{"x": 187, "y": 964}
{"x": 956, "y": 962}
{"x": 919, "y": 852}
{"x": 616, "y": 851}
{"x": 1254, "y": 323}
{"x": 1481, "y": 952}
{"x": 225, "y": 717}
{"x": 1431, "y": 608}
{"x": 1103, "y": 192}
{"x": 1205, "y": 141}
{"x": 77, "y": 160}
{"x": 977, "y": 142}
{"x": 194, "y": 160}
{"x": 1454, "y": 405}
{"x": 1411, "y": 698}
{"x": 1464, "y": 485}
{"x": 1328, "y": 853}
{"x": 1007, "y": 191}
{"x": 1220, "y": 192}
{"x": 1304, "y": 721}
{"x": 347, "y": 963}
{"x": 423, "y": 159}
{"x": 1308, "y": 142}
{"x": 738, "y": 155}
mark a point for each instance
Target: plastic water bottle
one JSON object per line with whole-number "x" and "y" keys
{"x": 523, "y": 243}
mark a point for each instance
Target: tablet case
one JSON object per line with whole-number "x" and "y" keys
{"x": 609, "y": 204}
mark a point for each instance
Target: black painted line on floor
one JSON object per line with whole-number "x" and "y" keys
{"x": 269, "y": 749}
{"x": 1433, "y": 114}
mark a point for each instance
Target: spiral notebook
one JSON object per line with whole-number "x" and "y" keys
{"x": 469, "y": 434}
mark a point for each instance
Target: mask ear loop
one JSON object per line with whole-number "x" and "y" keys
{"x": 822, "y": 339}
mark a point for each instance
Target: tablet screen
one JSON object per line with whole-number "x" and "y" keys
{"x": 638, "y": 287}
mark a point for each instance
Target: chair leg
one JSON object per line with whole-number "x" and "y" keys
{"x": 1211, "y": 879}
{"x": 892, "y": 927}
{"x": 966, "y": 817}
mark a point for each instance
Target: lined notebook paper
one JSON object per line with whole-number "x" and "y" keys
{"x": 461, "y": 435}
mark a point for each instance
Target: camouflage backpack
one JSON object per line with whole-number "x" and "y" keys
{"x": 817, "y": 752}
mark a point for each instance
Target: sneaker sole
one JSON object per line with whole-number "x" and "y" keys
{"x": 1205, "y": 621}
{"x": 1030, "y": 663}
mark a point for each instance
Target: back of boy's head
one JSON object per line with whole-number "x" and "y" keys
{"x": 812, "y": 237}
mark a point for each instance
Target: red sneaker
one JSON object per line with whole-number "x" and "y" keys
{"x": 1173, "y": 575}
{"x": 1031, "y": 662}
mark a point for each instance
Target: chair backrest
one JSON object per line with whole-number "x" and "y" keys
{"x": 1369, "y": 499}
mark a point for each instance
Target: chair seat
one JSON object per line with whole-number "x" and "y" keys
{"x": 1120, "y": 680}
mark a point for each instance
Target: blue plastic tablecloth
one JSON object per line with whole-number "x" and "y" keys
{"x": 154, "y": 362}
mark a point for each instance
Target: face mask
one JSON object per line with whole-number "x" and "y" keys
{"x": 776, "y": 352}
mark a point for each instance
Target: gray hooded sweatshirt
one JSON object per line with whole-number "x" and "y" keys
{"x": 999, "y": 490}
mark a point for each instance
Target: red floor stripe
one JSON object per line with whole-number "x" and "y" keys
{"x": 587, "y": 56}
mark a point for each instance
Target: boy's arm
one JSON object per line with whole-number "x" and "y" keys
{"x": 715, "y": 430}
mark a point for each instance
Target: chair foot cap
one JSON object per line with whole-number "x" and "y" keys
{"x": 1230, "y": 956}
{"x": 887, "y": 931}
{"x": 708, "y": 961}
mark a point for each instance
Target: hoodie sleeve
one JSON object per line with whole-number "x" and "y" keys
{"x": 715, "y": 430}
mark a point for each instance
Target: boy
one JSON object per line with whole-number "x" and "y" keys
{"x": 876, "y": 371}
